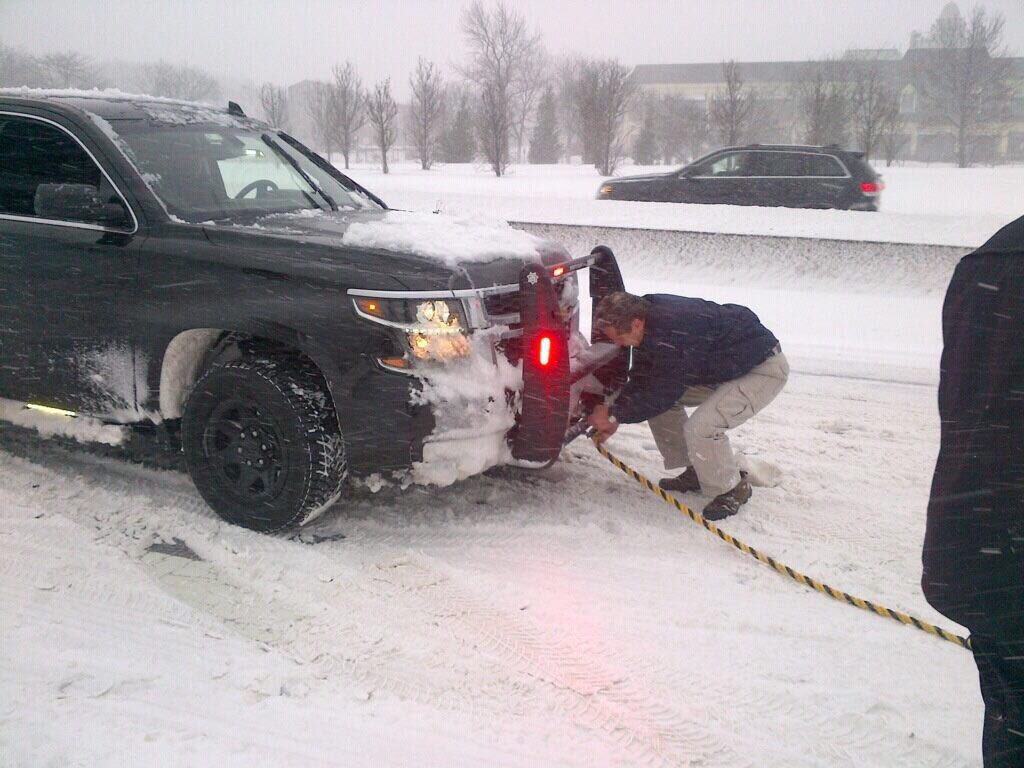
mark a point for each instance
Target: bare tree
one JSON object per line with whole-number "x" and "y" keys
{"x": 530, "y": 84}
{"x": 426, "y": 110}
{"x": 349, "y": 107}
{"x": 20, "y": 68}
{"x": 274, "y": 100}
{"x": 823, "y": 103}
{"x": 872, "y": 100}
{"x": 68, "y": 70}
{"x": 963, "y": 76}
{"x": 604, "y": 96}
{"x": 383, "y": 112}
{"x": 893, "y": 137}
{"x": 178, "y": 82}
{"x": 732, "y": 106}
{"x": 499, "y": 44}
{"x": 322, "y": 109}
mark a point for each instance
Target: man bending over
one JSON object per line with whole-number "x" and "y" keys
{"x": 687, "y": 352}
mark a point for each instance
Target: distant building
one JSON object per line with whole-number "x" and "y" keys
{"x": 774, "y": 83}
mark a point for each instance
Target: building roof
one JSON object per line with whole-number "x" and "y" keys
{"x": 783, "y": 71}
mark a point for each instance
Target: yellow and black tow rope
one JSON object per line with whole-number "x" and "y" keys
{"x": 785, "y": 570}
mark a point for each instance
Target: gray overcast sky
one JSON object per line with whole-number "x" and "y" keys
{"x": 289, "y": 41}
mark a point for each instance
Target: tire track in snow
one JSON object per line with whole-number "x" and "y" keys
{"x": 589, "y": 696}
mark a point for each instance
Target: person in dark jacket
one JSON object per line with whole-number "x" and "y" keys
{"x": 973, "y": 554}
{"x": 690, "y": 352}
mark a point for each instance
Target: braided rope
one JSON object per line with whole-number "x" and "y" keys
{"x": 785, "y": 570}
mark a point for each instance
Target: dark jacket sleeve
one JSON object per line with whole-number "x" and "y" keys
{"x": 639, "y": 401}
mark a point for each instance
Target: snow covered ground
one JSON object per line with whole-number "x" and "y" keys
{"x": 936, "y": 205}
{"x": 566, "y": 618}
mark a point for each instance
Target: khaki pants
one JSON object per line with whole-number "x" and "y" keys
{"x": 699, "y": 439}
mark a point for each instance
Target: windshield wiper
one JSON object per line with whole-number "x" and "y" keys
{"x": 298, "y": 168}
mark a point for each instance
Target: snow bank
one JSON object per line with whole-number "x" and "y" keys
{"x": 768, "y": 262}
{"x": 448, "y": 238}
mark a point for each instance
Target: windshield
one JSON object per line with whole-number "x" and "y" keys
{"x": 211, "y": 173}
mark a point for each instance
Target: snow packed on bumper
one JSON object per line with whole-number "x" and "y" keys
{"x": 472, "y": 414}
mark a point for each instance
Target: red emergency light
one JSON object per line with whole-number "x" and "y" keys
{"x": 544, "y": 351}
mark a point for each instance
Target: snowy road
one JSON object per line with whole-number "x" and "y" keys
{"x": 566, "y": 618}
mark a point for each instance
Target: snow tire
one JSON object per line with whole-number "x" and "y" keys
{"x": 262, "y": 442}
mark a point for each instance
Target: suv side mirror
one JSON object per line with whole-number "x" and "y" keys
{"x": 79, "y": 202}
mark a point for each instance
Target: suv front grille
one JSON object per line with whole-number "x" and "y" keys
{"x": 503, "y": 308}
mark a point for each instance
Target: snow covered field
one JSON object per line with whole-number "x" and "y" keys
{"x": 936, "y": 205}
{"x": 561, "y": 618}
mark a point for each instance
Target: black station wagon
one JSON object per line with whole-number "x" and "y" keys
{"x": 173, "y": 264}
{"x": 768, "y": 175}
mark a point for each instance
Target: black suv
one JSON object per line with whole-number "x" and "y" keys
{"x": 174, "y": 264}
{"x": 761, "y": 174}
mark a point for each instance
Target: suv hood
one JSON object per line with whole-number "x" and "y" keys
{"x": 423, "y": 251}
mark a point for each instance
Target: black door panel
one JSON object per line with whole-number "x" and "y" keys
{"x": 64, "y": 339}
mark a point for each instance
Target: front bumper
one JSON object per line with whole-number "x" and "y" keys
{"x": 510, "y": 401}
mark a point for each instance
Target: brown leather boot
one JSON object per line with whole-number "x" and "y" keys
{"x": 684, "y": 483}
{"x": 728, "y": 503}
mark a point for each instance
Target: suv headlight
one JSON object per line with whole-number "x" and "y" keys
{"x": 433, "y": 329}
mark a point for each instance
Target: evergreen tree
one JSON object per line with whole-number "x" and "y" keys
{"x": 459, "y": 144}
{"x": 545, "y": 143}
{"x": 645, "y": 147}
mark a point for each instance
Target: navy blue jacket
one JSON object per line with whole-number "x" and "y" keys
{"x": 689, "y": 342}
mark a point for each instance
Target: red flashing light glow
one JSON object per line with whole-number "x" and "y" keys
{"x": 544, "y": 351}
{"x": 558, "y": 271}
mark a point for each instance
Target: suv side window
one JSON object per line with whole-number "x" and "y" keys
{"x": 34, "y": 153}
{"x": 783, "y": 164}
{"x": 822, "y": 165}
{"x": 729, "y": 165}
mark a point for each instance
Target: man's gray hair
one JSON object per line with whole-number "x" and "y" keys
{"x": 619, "y": 310}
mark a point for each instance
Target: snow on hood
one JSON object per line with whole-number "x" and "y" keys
{"x": 450, "y": 239}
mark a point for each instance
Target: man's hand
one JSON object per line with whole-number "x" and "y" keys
{"x": 603, "y": 423}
